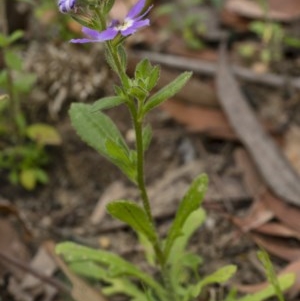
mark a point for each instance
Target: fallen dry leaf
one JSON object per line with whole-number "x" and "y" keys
{"x": 44, "y": 263}
{"x": 212, "y": 122}
{"x": 278, "y": 247}
{"x": 12, "y": 245}
{"x": 268, "y": 158}
{"x": 277, "y": 229}
{"x": 278, "y": 10}
{"x": 289, "y": 215}
{"x": 258, "y": 215}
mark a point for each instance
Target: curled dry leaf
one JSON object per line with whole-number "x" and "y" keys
{"x": 268, "y": 158}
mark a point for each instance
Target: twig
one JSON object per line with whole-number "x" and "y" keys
{"x": 203, "y": 67}
{"x": 59, "y": 286}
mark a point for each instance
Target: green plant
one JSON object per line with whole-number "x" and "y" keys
{"x": 177, "y": 269}
{"x": 22, "y": 153}
{"x": 272, "y": 39}
{"x": 185, "y": 20}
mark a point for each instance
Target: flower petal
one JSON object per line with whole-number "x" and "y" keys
{"x": 134, "y": 27}
{"x": 95, "y": 36}
{"x": 144, "y": 14}
{"x": 81, "y": 41}
{"x": 136, "y": 9}
{"x": 108, "y": 34}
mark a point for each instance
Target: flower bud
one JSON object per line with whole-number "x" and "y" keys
{"x": 66, "y": 6}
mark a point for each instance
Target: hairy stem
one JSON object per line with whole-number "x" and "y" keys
{"x": 134, "y": 107}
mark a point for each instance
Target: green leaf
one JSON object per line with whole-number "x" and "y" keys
{"x": 120, "y": 157}
{"x": 220, "y": 276}
{"x": 107, "y": 103}
{"x": 16, "y": 35}
{"x": 110, "y": 61}
{"x": 148, "y": 248}
{"x": 12, "y": 60}
{"x": 192, "y": 223}
{"x": 27, "y": 178}
{"x": 142, "y": 69}
{"x": 108, "y": 6}
{"x": 4, "y": 40}
{"x": 167, "y": 91}
{"x": 7, "y": 40}
{"x": 191, "y": 202}
{"x": 153, "y": 78}
{"x": 3, "y": 79}
{"x": 285, "y": 282}
{"x": 123, "y": 57}
{"x": 147, "y": 135}
{"x": 114, "y": 285}
{"x": 99, "y": 132}
{"x": 179, "y": 260}
{"x": 41, "y": 176}
{"x": 117, "y": 266}
{"x": 43, "y": 134}
{"x": 270, "y": 273}
{"x": 133, "y": 215}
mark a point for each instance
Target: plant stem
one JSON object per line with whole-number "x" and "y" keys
{"x": 13, "y": 99}
{"x": 135, "y": 109}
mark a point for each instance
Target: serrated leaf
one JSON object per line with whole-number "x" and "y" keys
{"x": 191, "y": 202}
{"x": 99, "y": 131}
{"x": 166, "y": 92}
{"x": 133, "y": 215}
{"x": 117, "y": 266}
{"x": 43, "y": 134}
{"x": 192, "y": 223}
{"x": 153, "y": 78}
{"x": 220, "y": 276}
{"x": 142, "y": 69}
{"x": 107, "y": 103}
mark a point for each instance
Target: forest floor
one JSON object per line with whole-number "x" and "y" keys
{"x": 193, "y": 133}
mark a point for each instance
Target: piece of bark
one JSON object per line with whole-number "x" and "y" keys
{"x": 268, "y": 158}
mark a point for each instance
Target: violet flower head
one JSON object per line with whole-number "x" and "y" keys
{"x": 66, "y": 6}
{"x": 132, "y": 22}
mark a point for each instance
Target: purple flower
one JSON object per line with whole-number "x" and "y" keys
{"x": 133, "y": 21}
{"x": 66, "y": 6}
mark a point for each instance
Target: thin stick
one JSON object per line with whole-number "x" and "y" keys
{"x": 203, "y": 67}
{"x": 24, "y": 267}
